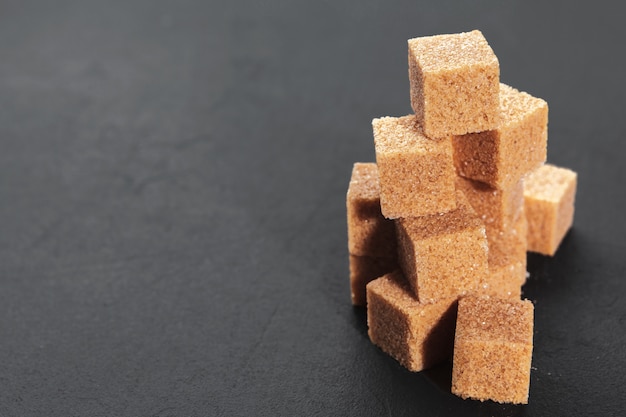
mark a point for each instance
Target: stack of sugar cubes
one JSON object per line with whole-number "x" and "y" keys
{"x": 439, "y": 226}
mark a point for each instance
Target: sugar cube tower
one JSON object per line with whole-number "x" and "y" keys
{"x": 439, "y": 226}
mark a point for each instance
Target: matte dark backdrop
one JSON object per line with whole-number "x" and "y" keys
{"x": 172, "y": 204}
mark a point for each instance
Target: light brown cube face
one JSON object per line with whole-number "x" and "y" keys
{"x": 508, "y": 246}
{"x": 504, "y": 281}
{"x": 443, "y": 255}
{"x": 418, "y": 336}
{"x": 364, "y": 269}
{"x": 369, "y": 233}
{"x": 496, "y": 208}
{"x": 549, "y": 195}
{"x": 503, "y": 156}
{"x": 493, "y": 349}
{"x": 507, "y": 260}
{"x": 416, "y": 173}
{"x": 454, "y": 83}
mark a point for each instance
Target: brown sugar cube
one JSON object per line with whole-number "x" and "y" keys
{"x": 504, "y": 281}
{"x": 507, "y": 260}
{"x": 496, "y": 208}
{"x": 454, "y": 83}
{"x": 505, "y": 226}
{"x": 364, "y": 269}
{"x": 416, "y": 173}
{"x": 549, "y": 194}
{"x": 493, "y": 349}
{"x": 502, "y": 156}
{"x": 417, "y": 335}
{"x": 443, "y": 255}
{"x": 509, "y": 245}
{"x": 369, "y": 233}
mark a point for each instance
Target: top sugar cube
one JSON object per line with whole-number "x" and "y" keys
{"x": 454, "y": 83}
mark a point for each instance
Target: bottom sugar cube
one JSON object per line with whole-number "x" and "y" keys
{"x": 493, "y": 349}
{"x": 417, "y": 335}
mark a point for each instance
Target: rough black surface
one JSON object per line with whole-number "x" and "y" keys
{"x": 172, "y": 204}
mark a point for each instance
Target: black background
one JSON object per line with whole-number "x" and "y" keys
{"x": 172, "y": 204}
